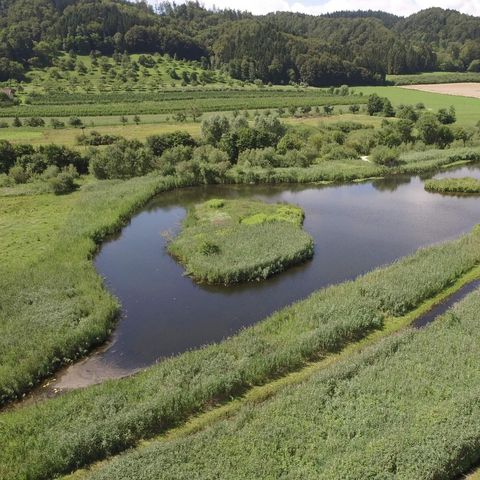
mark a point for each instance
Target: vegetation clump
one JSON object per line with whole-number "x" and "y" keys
{"x": 231, "y": 241}
{"x": 466, "y": 185}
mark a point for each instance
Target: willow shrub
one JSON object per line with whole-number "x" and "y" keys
{"x": 80, "y": 427}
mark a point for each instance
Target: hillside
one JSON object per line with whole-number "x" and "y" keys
{"x": 355, "y": 48}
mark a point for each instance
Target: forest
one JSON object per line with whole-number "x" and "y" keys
{"x": 354, "y": 48}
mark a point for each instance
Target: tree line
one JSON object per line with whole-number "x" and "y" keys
{"x": 344, "y": 47}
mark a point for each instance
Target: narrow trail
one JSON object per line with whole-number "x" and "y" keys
{"x": 424, "y": 314}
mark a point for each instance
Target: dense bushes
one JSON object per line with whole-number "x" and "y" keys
{"x": 163, "y": 395}
{"x": 124, "y": 159}
{"x": 25, "y": 164}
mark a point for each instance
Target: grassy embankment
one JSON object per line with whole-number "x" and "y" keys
{"x": 53, "y": 304}
{"x": 408, "y": 407}
{"x": 231, "y": 241}
{"x": 466, "y": 185}
{"x": 83, "y": 426}
{"x": 467, "y": 109}
{"x": 434, "y": 77}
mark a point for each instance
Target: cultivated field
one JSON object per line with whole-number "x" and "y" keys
{"x": 460, "y": 89}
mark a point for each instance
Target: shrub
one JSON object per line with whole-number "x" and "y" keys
{"x": 259, "y": 157}
{"x": 389, "y": 157}
{"x": 18, "y": 174}
{"x": 34, "y": 122}
{"x": 64, "y": 182}
{"x": 157, "y": 144}
{"x": 124, "y": 159}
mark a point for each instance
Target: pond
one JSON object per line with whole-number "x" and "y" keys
{"x": 356, "y": 228}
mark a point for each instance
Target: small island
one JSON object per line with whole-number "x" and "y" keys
{"x": 232, "y": 241}
{"x": 459, "y": 186}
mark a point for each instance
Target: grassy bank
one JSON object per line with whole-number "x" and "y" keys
{"x": 53, "y": 304}
{"x": 453, "y": 185}
{"x": 411, "y": 163}
{"x": 231, "y": 241}
{"x": 402, "y": 404}
{"x": 105, "y": 419}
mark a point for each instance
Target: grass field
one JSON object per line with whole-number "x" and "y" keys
{"x": 101, "y": 420}
{"x": 231, "y": 241}
{"x": 401, "y": 404}
{"x": 434, "y": 77}
{"x": 468, "y": 109}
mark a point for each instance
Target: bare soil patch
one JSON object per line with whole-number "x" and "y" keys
{"x": 460, "y": 89}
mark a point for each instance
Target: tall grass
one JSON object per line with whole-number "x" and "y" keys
{"x": 86, "y": 425}
{"x": 53, "y": 306}
{"x": 231, "y": 241}
{"x": 405, "y": 409}
{"x": 453, "y": 185}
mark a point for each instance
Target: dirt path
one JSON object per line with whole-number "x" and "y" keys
{"x": 460, "y": 89}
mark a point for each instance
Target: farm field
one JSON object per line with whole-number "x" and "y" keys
{"x": 468, "y": 109}
{"x": 434, "y": 78}
{"x": 459, "y": 89}
{"x": 151, "y": 125}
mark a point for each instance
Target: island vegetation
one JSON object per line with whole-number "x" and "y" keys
{"x": 231, "y": 241}
{"x": 466, "y": 185}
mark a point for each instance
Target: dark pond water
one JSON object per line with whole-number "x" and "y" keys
{"x": 355, "y": 227}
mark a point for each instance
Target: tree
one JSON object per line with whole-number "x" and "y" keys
{"x": 7, "y": 156}
{"x": 433, "y": 132}
{"x": 447, "y": 117}
{"x": 214, "y": 128}
{"x": 136, "y": 120}
{"x": 17, "y": 122}
{"x": 328, "y": 109}
{"x": 374, "y": 104}
{"x": 75, "y": 122}
{"x": 463, "y": 134}
{"x": 123, "y": 120}
{"x": 354, "y": 108}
